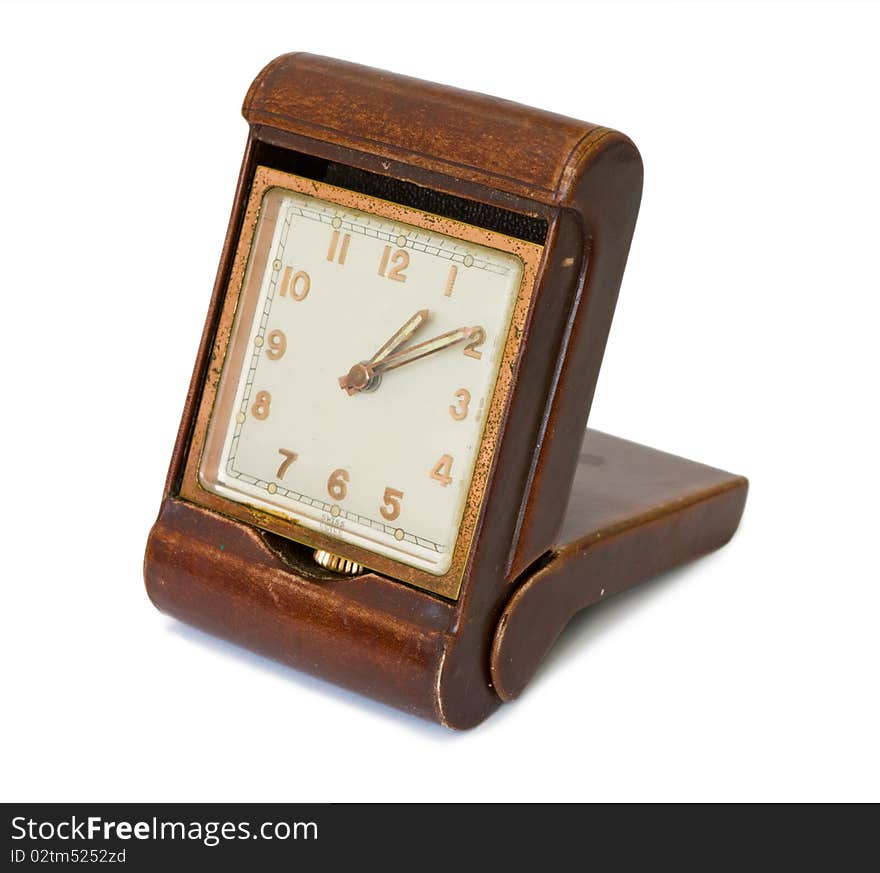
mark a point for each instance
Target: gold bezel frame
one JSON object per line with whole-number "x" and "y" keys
{"x": 449, "y": 584}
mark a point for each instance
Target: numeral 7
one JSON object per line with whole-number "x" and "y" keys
{"x": 289, "y": 458}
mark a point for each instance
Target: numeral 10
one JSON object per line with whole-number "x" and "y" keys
{"x": 297, "y": 284}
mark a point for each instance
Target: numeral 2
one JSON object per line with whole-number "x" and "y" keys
{"x": 470, "y": 350}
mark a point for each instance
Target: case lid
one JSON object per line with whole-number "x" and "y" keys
{"x": 523, "y": 151}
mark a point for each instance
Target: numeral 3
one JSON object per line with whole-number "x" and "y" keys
{"x": 459, "y": 411}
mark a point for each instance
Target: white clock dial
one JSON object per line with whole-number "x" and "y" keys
{"x": 361, "y": 367}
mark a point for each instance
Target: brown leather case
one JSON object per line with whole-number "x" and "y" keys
{"x": 538, "y": 557}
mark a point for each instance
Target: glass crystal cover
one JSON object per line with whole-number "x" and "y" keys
{"x": 359, "y": 374}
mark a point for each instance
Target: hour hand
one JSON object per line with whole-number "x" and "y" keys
{"x": 360, "y": 375}
{"x": 404, "y": 332}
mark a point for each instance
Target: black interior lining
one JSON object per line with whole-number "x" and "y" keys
{"x": 515, "y": 224}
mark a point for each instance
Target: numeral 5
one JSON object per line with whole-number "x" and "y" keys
{"x": 391, "y": 510}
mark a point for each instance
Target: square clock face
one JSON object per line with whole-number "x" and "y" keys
{"x": 365, "y": 354}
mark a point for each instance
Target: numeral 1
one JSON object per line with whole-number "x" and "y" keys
{"x": 450, "y": 282}
{"x": 277, "y": 345}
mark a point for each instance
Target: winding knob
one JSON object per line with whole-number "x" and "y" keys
{"x": 337, "y": 564}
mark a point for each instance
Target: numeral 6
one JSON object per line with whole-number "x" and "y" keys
{"x": 337, "y": 484}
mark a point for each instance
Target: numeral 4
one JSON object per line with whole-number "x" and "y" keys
{"x": 442, "y": 470}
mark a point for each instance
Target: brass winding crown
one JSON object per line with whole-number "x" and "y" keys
{"x": 337, "y": 564}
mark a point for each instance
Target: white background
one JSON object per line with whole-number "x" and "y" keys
{"x": 746, "y": 337}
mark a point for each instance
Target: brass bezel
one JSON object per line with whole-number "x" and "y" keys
{"x": 449, "y": 584}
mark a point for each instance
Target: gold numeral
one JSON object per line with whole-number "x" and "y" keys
{"x": 442, "y": 470}
{"x": 392, "y": 499}
{"x": 399, "y": 261}
{"x": 450, "y": 282}
{"x": 459, "y": 411}
{"x": 277, "y": 342}
{"x": 260, "y": 409}
{"x": 334, "y": 243}
{"x": 337, "y": 484}
{"x": 289, "y": 458}
{"x": 297, "y": 284}
{"x": 470, "y": 349}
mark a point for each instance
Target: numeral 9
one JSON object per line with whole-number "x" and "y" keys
{"x": 277, "y": 343}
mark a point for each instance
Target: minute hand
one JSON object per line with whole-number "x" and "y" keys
{"x": 437, "y": 344}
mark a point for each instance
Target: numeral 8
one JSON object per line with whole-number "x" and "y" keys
{"x": 260, "y": 409}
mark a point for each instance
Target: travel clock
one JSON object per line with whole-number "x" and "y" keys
{"x": 382, "y": 475}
